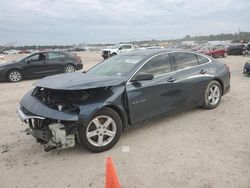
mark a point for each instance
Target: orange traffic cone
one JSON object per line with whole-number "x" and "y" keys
{"x": 112, "y": 180}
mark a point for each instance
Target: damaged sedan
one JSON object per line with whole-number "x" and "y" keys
{"x": 94, "y": 107}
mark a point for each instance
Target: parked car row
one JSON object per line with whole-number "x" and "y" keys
{"x": 214, "y": 51}
{"x": 240, "y": 49}
{"x": 95, "y": 107}
{"x": 223, "y": 50}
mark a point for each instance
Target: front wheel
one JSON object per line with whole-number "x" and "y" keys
{"x": 69, "y": 69}
{"x": 212, "y": 95}
{"x": 15, "y": 76}
{"x": 102, "y": 132}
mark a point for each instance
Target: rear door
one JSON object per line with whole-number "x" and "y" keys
{"x": 192, "y": 75}
{"x": 152, "y": 97}
{"x": 56, "y": 62}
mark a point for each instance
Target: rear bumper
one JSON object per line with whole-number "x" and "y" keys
{"x": 106, "y": 54}
{"x": 226, "y": 90}
{"x": 79, "y": 66}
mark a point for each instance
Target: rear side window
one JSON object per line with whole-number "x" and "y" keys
{"x": 185, "y": 60}
{"x": 53, "y": 55}
{"x": 157, "y": 65}
{"x": 202, "y": 59}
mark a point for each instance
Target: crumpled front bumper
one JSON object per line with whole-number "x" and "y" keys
{"x": 31, "y": 108}
{"x": 25, "y": 117}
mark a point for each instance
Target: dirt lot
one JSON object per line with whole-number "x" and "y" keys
{"x": 198, "y": 148}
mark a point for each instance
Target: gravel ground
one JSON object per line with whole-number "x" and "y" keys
{"x": 197, "y": 148}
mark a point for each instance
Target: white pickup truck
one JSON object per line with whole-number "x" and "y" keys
{"x": 116, "y": 49}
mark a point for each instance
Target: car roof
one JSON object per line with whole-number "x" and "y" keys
{"x": 151, "y": 52}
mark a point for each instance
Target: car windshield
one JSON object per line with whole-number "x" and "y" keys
{"x": 115, "y": 46}
{"x": 21, "y": 58}
{"x": 119, "y": 65}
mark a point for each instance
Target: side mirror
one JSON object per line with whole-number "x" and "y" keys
{"x": 28, "y": 61}
{"x": 143, "y": 76}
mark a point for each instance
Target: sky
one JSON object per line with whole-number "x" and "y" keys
{"x": 104, "y": 21}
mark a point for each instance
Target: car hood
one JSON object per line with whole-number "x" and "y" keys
{"x": 79, "y": 81}
{"x": 7, "y": 63}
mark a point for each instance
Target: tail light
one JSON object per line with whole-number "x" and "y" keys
{"x": 78, "y": 59}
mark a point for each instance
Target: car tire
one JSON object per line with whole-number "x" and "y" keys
{"x": 15, "y": 76}
{"x": 212, "y": 96}
{"x": 102, "y": 132}
{"x": 69, "y": 68}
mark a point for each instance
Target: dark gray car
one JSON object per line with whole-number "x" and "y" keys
{"x": 120, "y": 92}
{"x": 39, "y": 64}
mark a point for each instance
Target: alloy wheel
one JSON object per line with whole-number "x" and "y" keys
{"x": 214, "y": 94}
{"x": 69, "y": 69}
{"x": 101, "y": 131}
{"x": 15, "y": 76}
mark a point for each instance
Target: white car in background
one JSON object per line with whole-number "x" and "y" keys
{"x": 11, "y": 52}
{"x": 116, "y": 49}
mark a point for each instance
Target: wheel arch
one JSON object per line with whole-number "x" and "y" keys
{"x": 88, "y": 112}
{"x": 12, "y": 69}
{"x": 121, "y": 113}
{"x": 221, "y": 84}
{"x": 69, "y": 63}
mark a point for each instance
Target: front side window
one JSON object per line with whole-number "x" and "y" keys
{"x": 36, "y": 57}
{"x": 185, "y": 60}
{"x": 157, "y": 65}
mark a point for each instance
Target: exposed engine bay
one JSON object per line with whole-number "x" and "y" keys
{"x": 68, "y": 100}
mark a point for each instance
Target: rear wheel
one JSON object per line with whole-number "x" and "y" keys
{"x": 69, "y": 68}
{"x": 102, "y": 132}
{"x": 15, "y": 76}
{"x": 212, "y": 95}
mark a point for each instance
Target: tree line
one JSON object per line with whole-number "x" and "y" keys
{"x": 242, "y": 36}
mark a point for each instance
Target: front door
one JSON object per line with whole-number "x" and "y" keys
{"x": 152, "y": 97}
{"x": 35, "y": 65}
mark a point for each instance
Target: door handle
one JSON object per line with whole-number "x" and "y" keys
{"x": 203, "y": 72}
{"x": 171, "y": 80}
